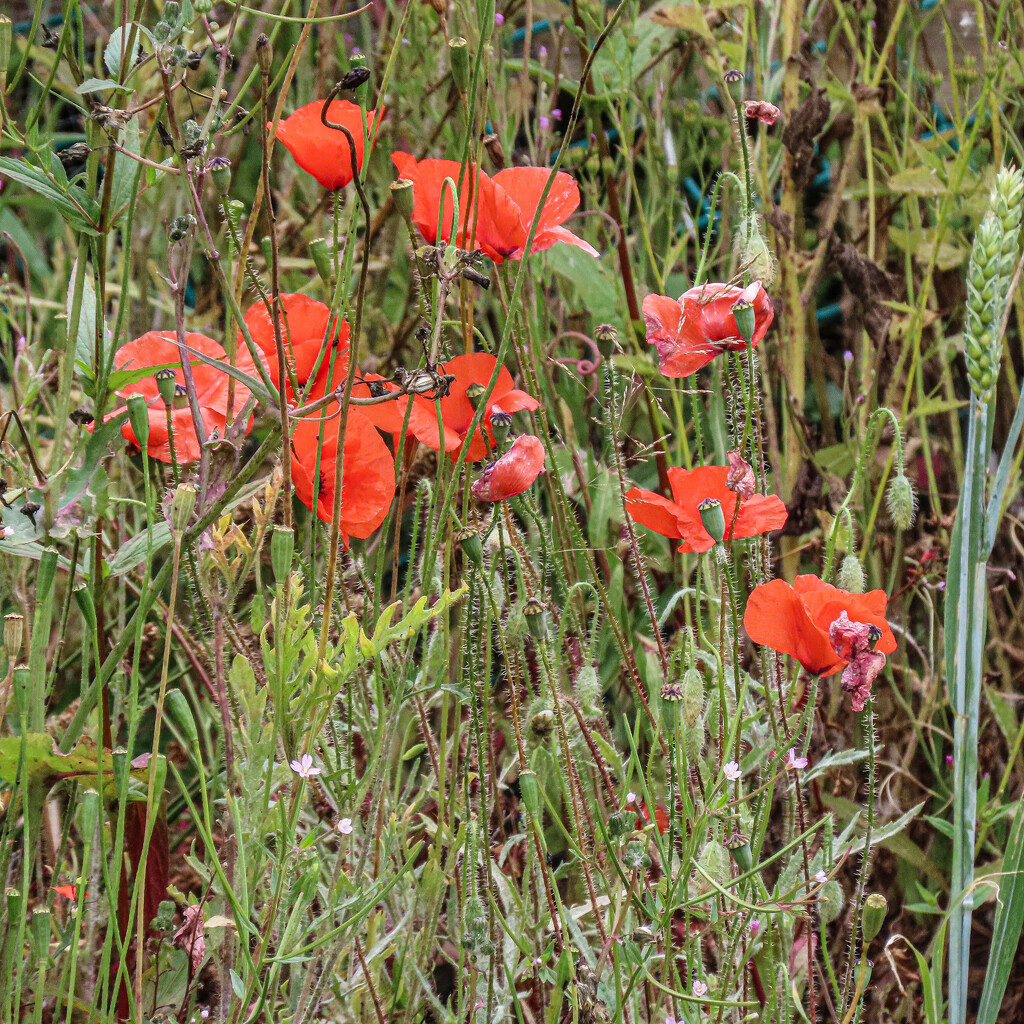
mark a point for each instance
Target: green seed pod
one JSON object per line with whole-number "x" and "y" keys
{"x": 458, "y": 56}
{"x": 713, "y": 518}
{"x": 746, "y": 321}
{"x": 830, "y": 901}
{"x": 165, "y": 384}
{"x": 536, "y": 618}
{"x": 402, "y": 195}
{"x": 40, "y": 933}
{"x": 529, "y": 790}
{"x": 671, "y": 694}
{"x": 902, "y": 502}
{"x": 202, "y": 6}
{"x": 282, "y": 547}
{"x": 693, "y": 696}
{"x": 182, "y": 506}
{"x": 14, "y": 630}
{"x": 542, "y": 723}
{"x": 634, "y": 857}
{"x": 851, "y": 575}
{"x": 873, "y": 916}
{"x": 88, "y": 814}
{"x": 322, "y": 261}
{"x": 138, "y": 417}
{"x": 738, "y": 845}
{"x": 472, "y": 546}
{"x": 177, "y": 707}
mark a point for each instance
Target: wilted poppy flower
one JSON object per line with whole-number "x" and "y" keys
{"x": 303, "y": 329}
{"x": 680, "y": 518}
{"x": 69, "y": 892}
{"x": 763, "y": 111}
{"x": 505, "y": 206}
{"x": 690, "y": 332}
{"x": 322, "y": 151}
{"x": 158, "y": 348}
{"x": 796, "y": 620}
{"x": 457, "y": 411}
{"x": 514, "y": 472}
{"x": 856, "y": 641}
{"x": 367, "y": 476}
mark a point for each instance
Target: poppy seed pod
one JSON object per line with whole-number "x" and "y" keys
{"x": 182, "y": 506}
{"x": 873, "y": 915}
{"x": 713, "y": 518}
{"x": 501, "y": 424}
{"x": 472, "y": 547}
{"x": 138, "y": 416}
{"x": 282, "y": 546}
{"x": 401, "y": 193}
{"x": 165, "y": 386}
{"x": 39, "y": 929}
{"x": 671, "y": 694}
{"x": 220, "y": 170}
{"x": 536, "y": 618}
{"x": 746, "y": 319}
{"x": 264, "y": 53}
{"x": 738, "y": 845}
{"x": 458, "y": 56}
{"x": 14, "y": 629}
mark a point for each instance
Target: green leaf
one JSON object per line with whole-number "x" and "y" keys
{"x": 117, "y": 41}
{"x": 85, "y": 218}
{"x": 1007, "y": 926}
{"x": 917, "y": 181}
{"x": 99, "y": 84}
{"x": 85, "y": 339}
{"x": 126, "y": 171}
{"x": 417, "y": 617}
{"x": 134, "y": 552}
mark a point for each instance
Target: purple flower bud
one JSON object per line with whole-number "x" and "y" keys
{"x": 542, "y": 53}
{"x": 499, "y": 18}
{"x": 847, "y": 357}
{"x": 556, "y": 114}
{"x": 544, "y": 123}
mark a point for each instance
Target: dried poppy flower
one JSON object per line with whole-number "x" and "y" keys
{"x": 741, "y": 475}
{"x": 855, "y": 641}
{"x": 763, "y": 111}
{"x": 457, "y": 411}
{"x": 514, "y": 472}
{"x": 322, "y": 151}
{"x": 496, "y": 213}
{"x": 796, "y": 620}
{"x": 158, "y": 348}
{"x": 690, "y": 332}
{"x": 304, "y": 328}
{"x": 680, "y": 517}
{"x": 367, "y": 475}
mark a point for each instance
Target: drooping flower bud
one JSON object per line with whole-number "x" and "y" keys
{"x": 901, "y": 501}
{"x": 851, "y": 575}
{"x": 830, "y": 901}
{"x": 322, "y": 261}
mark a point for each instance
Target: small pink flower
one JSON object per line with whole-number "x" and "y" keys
{"x": 763, "y": 111}
{"x": 499, "y": 19}
{"x": 793, "y": 762}
{"x": 699, "y": 988}
{"x": 345, "y": 826}
{"x": 731, "y": 770}
{"x": 820, "y": 877}
{"x": 305, "y": 768}
{"x": 755, "y": 927}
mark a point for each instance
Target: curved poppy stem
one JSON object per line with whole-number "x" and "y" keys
{"x": 357, "y": 316}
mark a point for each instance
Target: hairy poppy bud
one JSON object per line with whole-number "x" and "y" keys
{"x": 536, "y": 618}
{"x": 182, "y": 506}
{"x": 402, "y": 194}
{"x": 264, "y": 54}
{"x": 458, "y": 56}
{"x": 282, "y": 546}
{"x": 220, "y": 170}
{"x": 529, "y": 790}
{"x": 693, "y": 696}
{"x": 830, "y": 901}
{"x": 851, "y": 575}
{"x": 322, "y": 261}
{"x": 14, "y": 628}
{"x": 713, "y": 518}
{"x": 902, "y": 502}
{"x": 873, "y": 915}
{"x": 138, "y": 416}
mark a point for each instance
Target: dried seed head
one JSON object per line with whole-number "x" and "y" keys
{"x": 264, "y": 53}
{"x": 182, "y": 506}
{"x": 14, "y": 629}
{"x": 402, "y": 194}
{"x": 458, "y": 56}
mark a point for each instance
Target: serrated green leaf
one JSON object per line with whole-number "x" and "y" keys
{"x": 917, "y": 181}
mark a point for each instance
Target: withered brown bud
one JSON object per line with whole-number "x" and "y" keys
{"x": 495, "y": 151}
{"x": 264, "y": 53}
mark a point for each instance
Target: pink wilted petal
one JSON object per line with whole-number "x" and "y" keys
{"x": 514, "y": 472}
{"x": 189, "y": 937}
{"x": 740, "y": 478}
{"x": 763, "y": 111}
{"x": 859, "y": 676}
{"x": 849, "y": 638}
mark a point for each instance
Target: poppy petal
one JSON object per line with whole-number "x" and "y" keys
{"x": 514, "y": 472}
{"x": 322, "y": 151}
{"x": 655, "y": 512}
{"x": 681, "y": 347}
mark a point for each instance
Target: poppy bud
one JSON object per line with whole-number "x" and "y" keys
{"x": 738, "y": 845}
{"x": 83, "y": 598}
{"x": 474, "y": 392}
{"x": 322, "y": 261}
{"x": 165, "y": 385}
{"x": 542, "y": 722}
{"x": 873, "y": 915}
{"x": 671, "y": 694}
{"x": 282, "y": 545}
{"x": 643, "y": 936}
{"x": 851, "y": 575}
{"x": 693, "y": 696}
{"x": 495, "y": 151}
{"x": 472, "y": 547}
{"x": 178, "y": 709}
{"x": 5, "y": 46}
{"x": 402, "y": 194}
{"x": 501, "y": 423}
{"x": 902, "y": 502}
{"x": 746, "y": 321}
{"x": 529, "y": 790}
{"x": 713, "y": 518}
{"x": 14, "y": 628}
{"x": 264, "y": 53}
{"x": 606, "y": 336}
{"x": 182, "y": 506}
{"x": 830, "y": 901}
{"x": 536, "y": 618}
{"x": 138, "y": 416}
{"x": 458, "y": 56}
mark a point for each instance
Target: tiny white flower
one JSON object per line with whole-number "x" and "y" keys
{"x": 732, "y": 772}
{"x": 305, "y": 768}
{"x": 794, "y": 762}
{"x": 820, "y": 877}
{"x": 630, "y": 798}
{"x": 699, "y": 988}
{"x": 671, "y": 1020}
{"x": 345, "y": 826}
{"x": 6, "y": 532}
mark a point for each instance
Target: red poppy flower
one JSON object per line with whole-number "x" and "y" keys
{"x": 322, "y": 151}
{"x": 643, "y": 816}
{"x": 514, "y": 472}
{"x": 158, "y": 348}
{"x": 303, "y": 329}
{"x": 386, "y": 416}
{"x": 690, "y": 332}
{"x": 760, "y": 513}
{"x": 457, "y": 410}
{"x": 505, "y": 206}
{"x": 367, "y": 476}
{"x": 69, "y": 892}
{"x": 796, "y": 620}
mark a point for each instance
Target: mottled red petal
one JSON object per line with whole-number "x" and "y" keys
{"x": 514, "y": 472}
{"x": 680, "y": 344}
